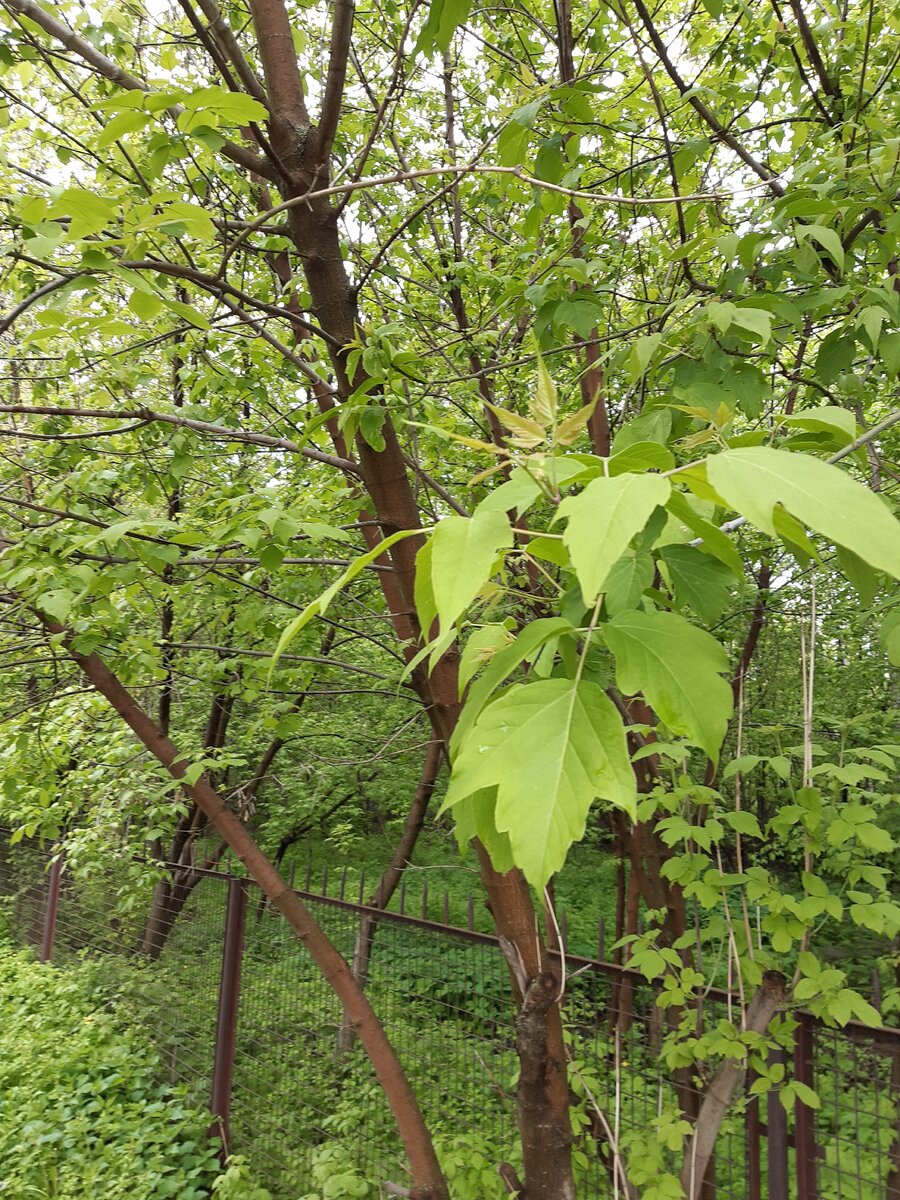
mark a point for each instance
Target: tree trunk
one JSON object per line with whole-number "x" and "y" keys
{"x": 544, "y": 1120}
{"x": 722, "y": 1087}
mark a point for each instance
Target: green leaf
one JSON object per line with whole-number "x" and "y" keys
{"x": 889, "y": 636}
{"x": 524, "y": 431}
{"x": 827, "y": 238}
{"x": 502, "y": 665}
{"x": 320, "y": 605}
{"x": 860, "y": 574}
{"x": 118, "y": 126}
{"x": 678, "y": 667}
{"x": 715, "y": 541}
{"x": 144, "y": 304}
{"x": 699, "y": 579}
{"x": 871, "y": 319}
{"x": 474, "y": 817}
{"x": 88, "y": 212}
{"x": 215, "y": 106}
{"x": 755, "y": 479}
{"x": 641, "y": 456}
{"x": 56, "y": 603}
{"x": 550, "y": 748}
{"x": 482, "y": 645}
{"x": 757, "y": 321}
{"x": 627, "y": 580}
{"x": 271, "y": 557}
{"x": 889, "y": 351}
{"x": 835, "y": 356}
{"x": 804, "y": 1092}
{"x": 187, "y": 312}
{"x": 444, "y": 18}
{"x": 464, "y": 550}
{"x": 426, "y": 606}
{"x": 516, "y": 495}
{"x": 603, "y": 519}
{"x": 570, "y": 427}
{"x": 830, "y": 418}
{"x": 743, "y": 823}
{"x": 641, "y": 353}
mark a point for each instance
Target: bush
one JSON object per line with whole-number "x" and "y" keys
{"x": 82, "y": 1111}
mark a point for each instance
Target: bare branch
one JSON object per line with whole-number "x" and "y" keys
{"x": 210, "y": 427}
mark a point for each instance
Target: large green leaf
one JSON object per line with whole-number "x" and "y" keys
{"x": 753, "y": 480}
{"x": 444, "y": 18}
{"x": 678, "y": 667}
{"x": 463, "y": 553}
{"x": 529, "y": 641}
{"x": 550, "y": 749}
{"x": 602, "y": 521}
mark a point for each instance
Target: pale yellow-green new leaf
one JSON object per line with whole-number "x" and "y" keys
{"x": 602, "y": 521}
{"x": 546, "y": 401}
{"x": 550, "y": 748}
{"x": 754, "y": 479}
{"x": 463, "y": 553}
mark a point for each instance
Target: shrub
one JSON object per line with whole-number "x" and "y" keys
{"x": 82, "y": 1111}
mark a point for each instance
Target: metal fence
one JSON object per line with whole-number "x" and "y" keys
{"x": 242, "y": 1017}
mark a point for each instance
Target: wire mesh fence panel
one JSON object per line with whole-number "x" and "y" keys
{"x": 857, "y": 1075}
{"x": 306, "y": 1107}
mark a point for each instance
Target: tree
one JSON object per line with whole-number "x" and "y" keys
{"x": 366, "y": 285}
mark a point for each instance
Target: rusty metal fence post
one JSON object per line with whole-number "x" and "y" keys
{"x": 51, "y": 909}
{"x": 804, "y": 1116}
{"x": 753, "y": 1127}
{"x": 227, "y": 1017}
{"x": 776, "y": 1136}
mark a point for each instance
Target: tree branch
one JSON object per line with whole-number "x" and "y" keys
{"x": 765, "y": 174}
{"x": 341, "y": 29}
{"x": 724, "y": 1084}
{"x": 214, "y": 430}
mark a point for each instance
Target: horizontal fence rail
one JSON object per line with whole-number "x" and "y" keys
{"x": 244, "y": 1020}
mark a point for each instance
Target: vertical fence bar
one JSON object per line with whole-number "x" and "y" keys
{"x": 804, "y": 1116}
{"x": 754, "y": 1160}
{"x": 777, "y": 1135}
{"x": 227, "y": 1018}
{"x": 51, "y": 909}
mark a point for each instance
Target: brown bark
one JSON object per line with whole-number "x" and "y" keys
{"x": 313, "y": 229}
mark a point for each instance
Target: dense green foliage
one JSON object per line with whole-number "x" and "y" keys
{"x": 82, "y": 1109}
